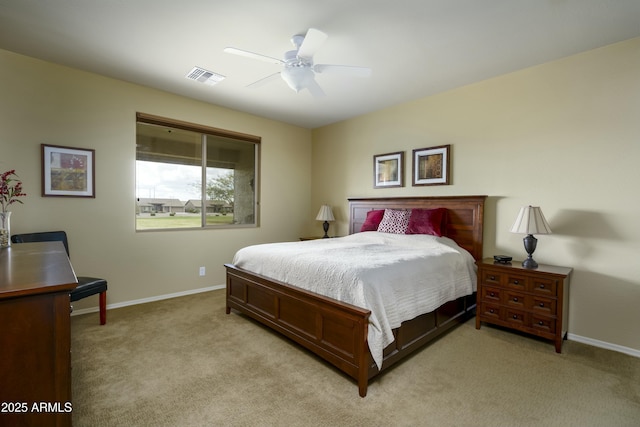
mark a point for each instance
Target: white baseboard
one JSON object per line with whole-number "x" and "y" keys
{"x": 605, "y": 345}
{"x": 145, "y": 300}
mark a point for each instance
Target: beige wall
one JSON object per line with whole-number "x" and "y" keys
{"x": 44, "y": 103}
{"x": 564, "y": 136}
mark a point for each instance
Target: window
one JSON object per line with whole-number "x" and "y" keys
{"x": 190, "y": 176}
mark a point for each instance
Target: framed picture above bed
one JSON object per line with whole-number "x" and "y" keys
{"x": 432, "y": 166}
{"x": 388, "y": 170}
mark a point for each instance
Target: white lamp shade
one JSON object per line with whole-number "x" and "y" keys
{"x": 325, "y": 214}
{"x": 530, "y": 220}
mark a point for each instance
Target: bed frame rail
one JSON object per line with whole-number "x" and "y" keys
{"x": 416, "y": 333}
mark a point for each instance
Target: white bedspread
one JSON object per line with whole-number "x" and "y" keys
{"x": 397, "y": 277}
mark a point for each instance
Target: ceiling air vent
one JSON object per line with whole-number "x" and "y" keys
{"x": 203, "y": 76}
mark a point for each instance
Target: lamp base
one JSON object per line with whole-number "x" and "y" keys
{"x": 529, "y": 263}
{"x": 325, "y": 226}
{"x": 530, "y": 244}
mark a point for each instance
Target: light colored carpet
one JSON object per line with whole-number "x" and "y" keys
{"x": 184, "y": 362}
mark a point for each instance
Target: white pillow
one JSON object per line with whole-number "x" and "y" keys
{"x": 395, "y": 221}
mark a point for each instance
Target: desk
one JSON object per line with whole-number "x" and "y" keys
{"x": 35, "y": 334}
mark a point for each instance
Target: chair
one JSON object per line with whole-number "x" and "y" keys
{"x": 87, "y": 286}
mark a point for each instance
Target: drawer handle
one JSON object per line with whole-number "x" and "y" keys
{"x": 491, "y": 294}
{"x": 516, "y": 282}
{"x": 492, "y": 277}
{"x": 491, "y": 311}
{"x": 515, "y": 299}
{"x": 541, "y": 323}
{"x": 541, "y": 304}
{"x": 541, "y": 286}
{"x": 515, "y": 316}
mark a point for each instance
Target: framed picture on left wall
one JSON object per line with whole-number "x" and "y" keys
{"x": 68, "y": 171}
{"x": 388, "y": 170}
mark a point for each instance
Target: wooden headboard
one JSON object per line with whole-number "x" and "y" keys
{"x": 464, "y": 221}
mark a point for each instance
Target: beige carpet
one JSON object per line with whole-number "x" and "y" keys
{"x": 184, "y": 362}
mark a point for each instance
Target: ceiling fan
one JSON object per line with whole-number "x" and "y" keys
{"x": 298, "y": 66}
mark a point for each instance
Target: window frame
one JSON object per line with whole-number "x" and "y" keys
{"x": 208, "y": 130}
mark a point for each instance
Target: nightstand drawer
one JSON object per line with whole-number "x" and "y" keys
{"x": 517, "y": 282}
{"x": 490, "y": 294}
{"x": 516, "y": 317}
{"x": 491, "y": 277}
{"x": 543, "y": 324}
{"x": 516, "y": 300}
{"x": 543, "y": 305}
{"x": 544, "y": 286}
{"x": 491, "y": 311}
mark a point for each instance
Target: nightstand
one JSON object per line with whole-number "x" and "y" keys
{"x": 535, "y": 301}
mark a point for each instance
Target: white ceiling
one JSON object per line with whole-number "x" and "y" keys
{"x": 416, "y": 48}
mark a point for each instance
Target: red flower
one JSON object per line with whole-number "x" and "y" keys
{"x": 10, "y": 189}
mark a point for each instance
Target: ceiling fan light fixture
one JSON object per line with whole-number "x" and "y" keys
{"x": 297, "y": 78}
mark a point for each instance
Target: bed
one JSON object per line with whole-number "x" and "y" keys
{"x": 338, "y": 331}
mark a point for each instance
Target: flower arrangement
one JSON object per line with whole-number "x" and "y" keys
{"x": 10, "y": 190}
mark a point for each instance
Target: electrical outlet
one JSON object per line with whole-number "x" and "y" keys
{"x": 202, "y": 271}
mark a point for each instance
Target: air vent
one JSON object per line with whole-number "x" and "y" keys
{"x": 203, "y": 76}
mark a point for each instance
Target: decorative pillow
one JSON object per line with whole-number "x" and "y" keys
{"x": 372, "y": 221}
{"x": 427, "y": 221}
{"x": 395, "y": 221}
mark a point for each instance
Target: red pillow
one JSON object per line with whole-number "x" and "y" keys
{"x": 372, "y": 220}
{"x": 426, "y": 221}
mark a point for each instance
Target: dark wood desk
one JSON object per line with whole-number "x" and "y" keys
{"x": 35, "y": 334}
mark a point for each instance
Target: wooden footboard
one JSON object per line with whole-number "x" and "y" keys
{"x": 335, "y": 331}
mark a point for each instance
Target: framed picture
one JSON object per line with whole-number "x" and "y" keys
{"x": 431, "y": 166}
{"x": 68, "y": 171}
{"x": 388, "y": 170}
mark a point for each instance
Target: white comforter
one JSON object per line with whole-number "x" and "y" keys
{"x": 397, "y": 277}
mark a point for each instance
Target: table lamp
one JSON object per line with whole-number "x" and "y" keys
{"x": 326, "y": 215}
{"x": 530, "y": 221}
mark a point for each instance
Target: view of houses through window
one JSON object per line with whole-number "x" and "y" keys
{"x": 189, "y": 176}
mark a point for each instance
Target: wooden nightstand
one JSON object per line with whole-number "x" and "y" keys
{"x": 535, "y": 301}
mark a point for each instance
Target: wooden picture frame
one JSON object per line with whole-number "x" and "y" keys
{"x": 388, "y": 170}
{"x": 432, "y": 165}
{"x": 68, "y": 171}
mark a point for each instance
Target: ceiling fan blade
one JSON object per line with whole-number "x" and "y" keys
{"x": 252, "y": 55}
{"x": 265, "y": 80}
{"x": 342, "y": 69}
{"x": 314, "y": 88}
{"x": 312, "y": 42}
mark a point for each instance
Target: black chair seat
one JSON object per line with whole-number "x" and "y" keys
{"x": 88, "y": 286}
